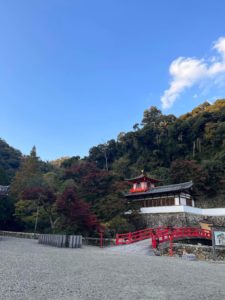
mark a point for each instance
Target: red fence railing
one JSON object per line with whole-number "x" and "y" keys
{"x": 132, "y": 237}
{"x": 162, "y": 234}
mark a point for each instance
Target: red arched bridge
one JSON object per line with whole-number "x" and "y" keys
{"x": 163, "y": 234}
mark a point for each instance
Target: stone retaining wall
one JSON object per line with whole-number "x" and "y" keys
{"x": 86, "y": 240}
{"x": 201, "y": 252}
{"x": 180, "y": 220}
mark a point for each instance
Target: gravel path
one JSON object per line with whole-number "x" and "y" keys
{"x": 32, "y": 271}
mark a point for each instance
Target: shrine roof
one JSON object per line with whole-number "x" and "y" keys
{"x": 165, "y": 189}
{"x": 142, "y": 177}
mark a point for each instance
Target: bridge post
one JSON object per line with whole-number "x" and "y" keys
{"x": 130, "y": 237}
{"x": 171, "y": 244}
{"x": 154, "y": 242}
{"x": 117, "y": 239}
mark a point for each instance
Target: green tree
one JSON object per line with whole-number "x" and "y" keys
{"x": 9, "y": 161}
{"x": 27, "y": 173}
{"x": 7, "y": 221}
{"x": 4, "y": 179}
{"x": 35, "y": 194}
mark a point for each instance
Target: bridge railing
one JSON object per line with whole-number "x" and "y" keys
{"x": 177, "y": 233}
{"x": 132, "y": 237}
{"x": 162, "y": 234}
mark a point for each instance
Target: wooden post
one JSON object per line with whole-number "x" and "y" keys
{"x": 36, "y": 220}
{"x": 101, "y": 239}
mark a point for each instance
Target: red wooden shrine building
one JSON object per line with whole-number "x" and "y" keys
{"x": 146, "y": 193}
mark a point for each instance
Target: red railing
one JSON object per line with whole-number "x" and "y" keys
{"x": 138, "y": 190}
{"x": 162, "y": 234}
{"x": 136, "y": 236}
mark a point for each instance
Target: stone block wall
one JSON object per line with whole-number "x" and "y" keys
{"x": 201, "y": 252}
{"x": 180, "y": 220}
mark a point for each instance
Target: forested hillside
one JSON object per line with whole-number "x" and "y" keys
{"x": 9, "y": 162}
{"x": 81, "y": 195}
{"x": 191, "y": 147}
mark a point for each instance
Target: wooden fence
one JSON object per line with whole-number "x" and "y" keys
{"x": 90, "y": 241}
{"x": 25, "y": 235}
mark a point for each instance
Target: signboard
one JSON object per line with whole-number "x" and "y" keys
{"x": 218, "y": 238}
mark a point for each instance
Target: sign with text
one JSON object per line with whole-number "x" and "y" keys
{"x": 218, "y": 236}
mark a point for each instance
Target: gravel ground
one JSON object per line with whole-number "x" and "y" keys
{"x": 139, "y": 248}
{"x": 32, "y": 271}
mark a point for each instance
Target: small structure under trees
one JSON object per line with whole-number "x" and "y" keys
{"x": 4, "y": 189}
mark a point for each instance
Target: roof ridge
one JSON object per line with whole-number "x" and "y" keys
{"x": 173, "y": 184}
{"x": 141, "y": 176}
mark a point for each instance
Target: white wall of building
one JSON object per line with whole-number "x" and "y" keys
{"x": 183, "y": 208}
{"x": 183, "y": 201}
{"x": 177, "y": 201}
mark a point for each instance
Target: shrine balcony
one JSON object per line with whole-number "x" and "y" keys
{"x": 138, "y": 190}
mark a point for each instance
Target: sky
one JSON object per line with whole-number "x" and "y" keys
{"x": 74, "y": 74}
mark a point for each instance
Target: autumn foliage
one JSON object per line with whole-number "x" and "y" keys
{"x": 77, "y": 194}
{"x": 76, "y": 214}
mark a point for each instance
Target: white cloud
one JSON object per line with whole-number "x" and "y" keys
{"x": 186, "y": 72}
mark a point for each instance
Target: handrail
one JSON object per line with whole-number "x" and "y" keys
{"x": 162, "y": 234}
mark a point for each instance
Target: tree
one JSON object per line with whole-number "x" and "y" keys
{"x": 9, "y": 161}
{"x": 119, "y": 224}
{"x": 4, "y": 180}
{"x": 76, "y": 216}
{"x": 186, "y": 170}
{"x": 43, "y": 198}
{"x": 113, "y": 203}
{"x": 92, "y": 183}
{"x": 34, "y": 194}
{"x": 151, "y": 116}
{"x": 28, "y": 171}
{"x": 216, "y": 173}
{"x": 69, "y": 162}
{"x": 7, "y": 221}
{"x": 104, "y": 155}
{"x": 121, "y": 167}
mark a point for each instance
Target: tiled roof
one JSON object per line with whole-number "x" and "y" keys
{"x": 165, "y": 189}
{"x": 144, "y": 177}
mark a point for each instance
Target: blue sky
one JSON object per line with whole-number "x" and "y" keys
{"x": 74, "y": 74}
